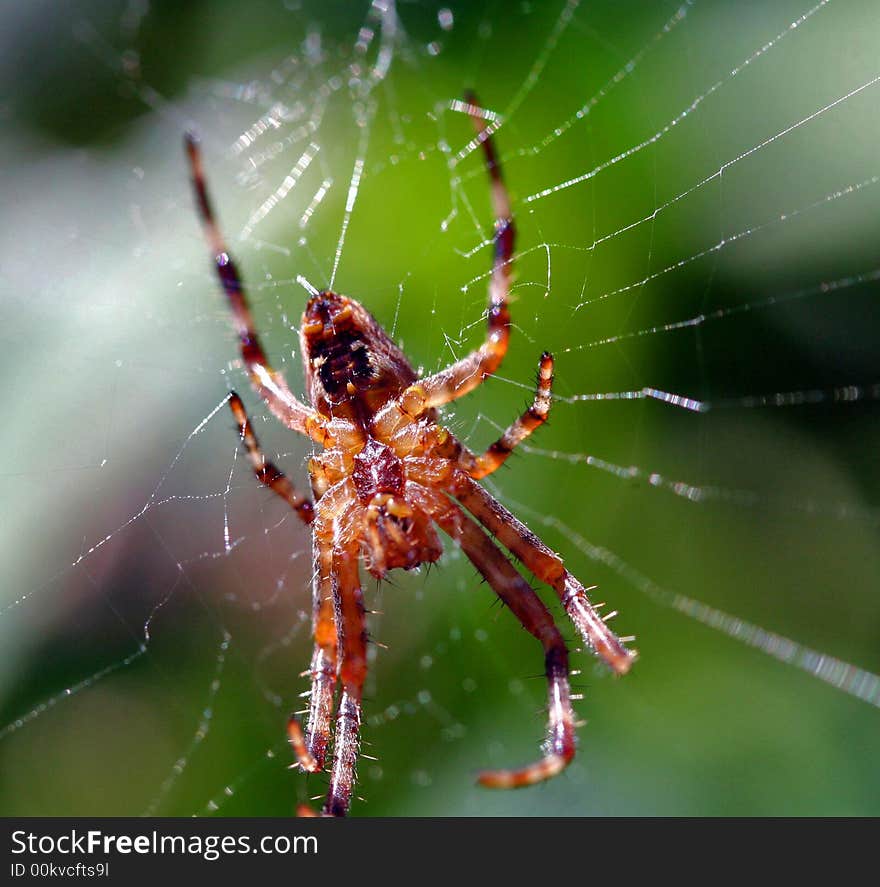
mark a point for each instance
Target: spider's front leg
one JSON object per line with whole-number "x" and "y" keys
{"x": 267, "y": 382}
{"x": 466, "y": 374}
{"x": 536, "y": 619}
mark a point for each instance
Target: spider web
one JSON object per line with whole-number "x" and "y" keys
{"x": 696, "y": 191}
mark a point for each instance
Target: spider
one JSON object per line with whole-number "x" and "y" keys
{"x": 389, "y": 473}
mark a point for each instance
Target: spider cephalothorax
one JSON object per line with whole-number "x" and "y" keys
{"x": 386, "y": 475}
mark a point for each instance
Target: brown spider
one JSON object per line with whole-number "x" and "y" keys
{"x": 389, "y": 472}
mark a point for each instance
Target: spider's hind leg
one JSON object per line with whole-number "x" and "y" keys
{"x": 348, "y": 601}
{"x": 310, "y": 746}
{"x": 548, "y": 567}
{"x": 311, "y": 750}
{"x": 536, "y": 619}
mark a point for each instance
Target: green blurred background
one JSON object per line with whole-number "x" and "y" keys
{"x": 122, "y": 525}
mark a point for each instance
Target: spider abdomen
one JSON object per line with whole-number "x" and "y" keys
{"x": 344, "y": 362}
{"x": 352, "y": 366}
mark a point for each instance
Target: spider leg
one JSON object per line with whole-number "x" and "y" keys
{"x": 532, "y": 419}
{"x": 536, "y": 619}
{"x": 466, "y": 374}
{"x": 348, "y": 602}
{"x": 267, "y": 382}
{"x": 324, "y": 661}
{"x": 266, "y": 471}
{"x": 311, "y": 748}
{"x": 297, "y": 741}
{"x": 303, "y": 811}
{"x": 547, "y": 566}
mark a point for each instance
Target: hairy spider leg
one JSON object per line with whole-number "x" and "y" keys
{"x": 310, "y": 753}
{"x": 306, "y": 812}
{"x": 324, "y": 659}
{"x": 466, "y": 374}
{"x": 267, "y": 382}
{"x": 532, "y": 419}
{"x": 348, "y": 603}
{"x": 297, "y": 740}
{"x": 547, "y": 566}
{"x": 510, "y": 586}
{"x": 266, "y": 471}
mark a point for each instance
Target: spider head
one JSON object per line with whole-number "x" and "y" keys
{"x": 351, "y": 364}
{"x": 397, "y": 535}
